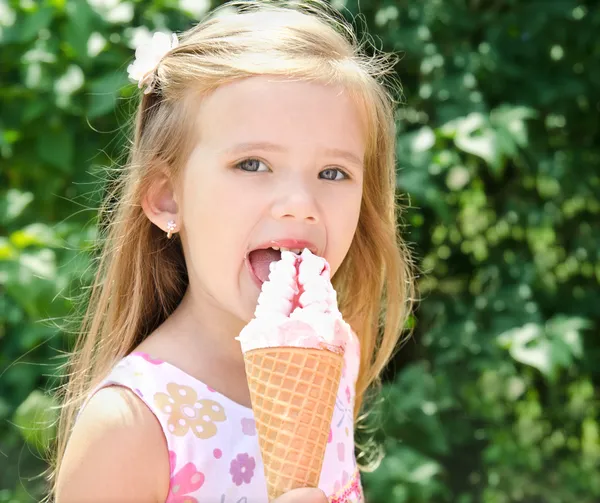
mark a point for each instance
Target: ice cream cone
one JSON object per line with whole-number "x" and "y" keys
{"x": 293, "y": 392}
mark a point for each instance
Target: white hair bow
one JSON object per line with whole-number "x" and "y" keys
{"x": 147, "y": 58}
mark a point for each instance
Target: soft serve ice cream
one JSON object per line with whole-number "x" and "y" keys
{"x": 297, "y": 307}
{"x": 294, "y": 353}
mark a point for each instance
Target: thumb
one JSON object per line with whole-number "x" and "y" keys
{"x": 304, "y": 495}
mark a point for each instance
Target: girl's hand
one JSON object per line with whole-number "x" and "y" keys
{"x": 302, "y": 496}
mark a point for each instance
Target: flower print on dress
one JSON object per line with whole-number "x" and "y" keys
{"x": 187, "y": 480}
{"x": 340, "y": 451}
{"x": 339, "y": 484}
{"x": 186, "y": 412}
{"x": 242, "y": 469}
{"x": 149, "y": 359}
{"x": 341, "y": 412}
{"x": 243, "y": 499}
{"x": 349, "y": 490}
{"x": 248, "y": 426}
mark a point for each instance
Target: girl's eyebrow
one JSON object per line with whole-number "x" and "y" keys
{"x": 273, "y": 147}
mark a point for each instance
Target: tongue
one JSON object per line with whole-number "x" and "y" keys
{"x": 260, "y": 261}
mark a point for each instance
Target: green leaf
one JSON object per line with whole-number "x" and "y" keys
{"x": 7, "y": 252}
{"x": 527, "y": 345}
{"x": 568, "y": 330}
{"x": 31, "y": 281}
{"x": 40, "y": 263}
{"x": 67, "y": 84}
{"x": 424, "y": 472}
{"x": 34, "y": 235}
{"x": 546, "y": 348}
{"x": 79, "y": 27}
{"x": 474, "y": 136}
{"x": 510, "y": 121}
{"x": 27, "y": 28}
{"x": 56, "y": 148}
{"x": 560, "y": 353}
{"x": 590, "y": 439}
{"x": 34, "y": 109}
{"x": 422, "y": 140}
{"x": 13, "y": 204}
{"x": 103, "y": 93}
{"x": 35, "y": 419}
{"x": 9, "y": 136}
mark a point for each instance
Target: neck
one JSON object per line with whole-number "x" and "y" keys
{"x": 199, "y": 338}
{"x": 206, "y": 329}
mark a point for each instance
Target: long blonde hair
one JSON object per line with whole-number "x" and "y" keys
{"x": 141, "y": 276}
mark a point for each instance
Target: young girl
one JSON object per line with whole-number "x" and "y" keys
{"x": 261, "y": 126}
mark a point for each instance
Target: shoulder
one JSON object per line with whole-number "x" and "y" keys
{"x": 117, "y": 449}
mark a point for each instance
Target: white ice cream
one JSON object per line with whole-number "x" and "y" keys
{"x": 315, "y": 322}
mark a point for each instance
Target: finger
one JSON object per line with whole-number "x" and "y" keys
{"x": 302, "y": 496}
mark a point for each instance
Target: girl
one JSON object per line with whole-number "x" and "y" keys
{"x": 261, "y": 126}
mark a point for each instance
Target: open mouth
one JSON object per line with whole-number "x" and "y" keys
{"x": 259, "y": 261}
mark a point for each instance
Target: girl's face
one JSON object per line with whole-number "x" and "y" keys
{"x": 275, "y": 160}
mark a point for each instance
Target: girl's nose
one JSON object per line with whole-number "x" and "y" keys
{"x": 295, "y": 202}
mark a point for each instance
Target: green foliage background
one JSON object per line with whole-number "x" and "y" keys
{"x": 495, "y": 398}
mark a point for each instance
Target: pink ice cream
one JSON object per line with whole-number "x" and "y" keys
{"x": 297, "y": 307}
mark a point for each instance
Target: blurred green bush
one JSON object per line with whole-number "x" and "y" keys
{"x": 495, "y": 398}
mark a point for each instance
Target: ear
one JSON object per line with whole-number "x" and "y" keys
{"x": 160, "y": 204}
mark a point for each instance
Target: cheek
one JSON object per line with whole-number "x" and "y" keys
{"x": 203, "y": 216}
{"x": 212, "y": 202}
{"x": 216, "y": 215}
{"x": 341, "y": 227}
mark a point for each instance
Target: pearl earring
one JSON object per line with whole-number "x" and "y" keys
{"x": 170, "y": 227}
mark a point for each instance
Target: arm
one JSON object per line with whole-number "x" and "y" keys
{"x": 117, "y": 453}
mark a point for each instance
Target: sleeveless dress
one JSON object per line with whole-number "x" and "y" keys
{"x": 213, "y": 445}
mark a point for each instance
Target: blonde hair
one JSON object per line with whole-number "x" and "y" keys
{"x": 141, "y": 275}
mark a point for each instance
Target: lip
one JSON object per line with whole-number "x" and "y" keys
{"x": 281, "y": 243}
{"x": 288, "y": 243}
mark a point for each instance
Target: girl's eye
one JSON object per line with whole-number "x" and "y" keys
{"x": 251, "y": 163}
{"x": 335, "y": 178}
{"x": 252, "y": 166}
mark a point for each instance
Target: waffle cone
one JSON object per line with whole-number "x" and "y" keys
{"x": 293, "y": 392}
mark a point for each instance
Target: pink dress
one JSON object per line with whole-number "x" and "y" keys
{"x": 212, "y": 440}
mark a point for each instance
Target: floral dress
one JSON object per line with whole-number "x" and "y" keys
{"x": 213, "y": 446}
